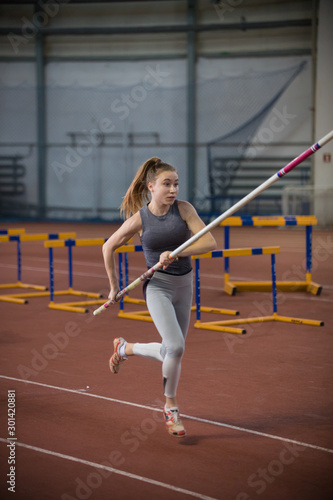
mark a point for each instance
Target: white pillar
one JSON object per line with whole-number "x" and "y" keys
{"x": 323, "y": 159}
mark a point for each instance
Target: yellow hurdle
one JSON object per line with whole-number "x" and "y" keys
{"x": 19, "y": 235}
{"x": 76, "y": 306}
{"x": 228, "y": 325}
{"x": 306, "y": 285}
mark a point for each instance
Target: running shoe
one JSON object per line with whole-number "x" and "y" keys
{"x": 173, "y": 423}
{"x": 116, "y": 360}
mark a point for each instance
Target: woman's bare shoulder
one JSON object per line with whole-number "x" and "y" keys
{"x": 185, "y": 208}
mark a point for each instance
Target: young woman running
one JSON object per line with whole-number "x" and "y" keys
{"x": 163, "y": 224}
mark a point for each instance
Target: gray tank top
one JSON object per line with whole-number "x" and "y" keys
{"x": 164, "y": 232}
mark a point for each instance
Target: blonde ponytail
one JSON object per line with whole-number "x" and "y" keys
{"x": 138, "y": 193}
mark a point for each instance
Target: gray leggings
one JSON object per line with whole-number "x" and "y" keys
{"x": 169, "y": 301}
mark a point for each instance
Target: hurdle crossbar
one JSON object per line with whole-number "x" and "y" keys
{"x": 307, "y": 285}
{"x": 11, "y": 231}
{"x": 19, "y": 236}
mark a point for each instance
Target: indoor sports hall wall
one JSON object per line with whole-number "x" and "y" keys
{"x": 105, "y": 119}
{"x": 227, "y": 91}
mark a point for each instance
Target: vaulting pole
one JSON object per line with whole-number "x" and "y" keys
{"x": 274, "y": 178}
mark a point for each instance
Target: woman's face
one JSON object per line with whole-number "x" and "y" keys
{"x": 165, "y": 188}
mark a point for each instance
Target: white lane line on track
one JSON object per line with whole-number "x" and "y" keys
{"x": 197, "y": 419}
{"x": 111, "y": 469}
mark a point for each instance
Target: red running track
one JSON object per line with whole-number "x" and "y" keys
{"x": 257, "y": 408}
